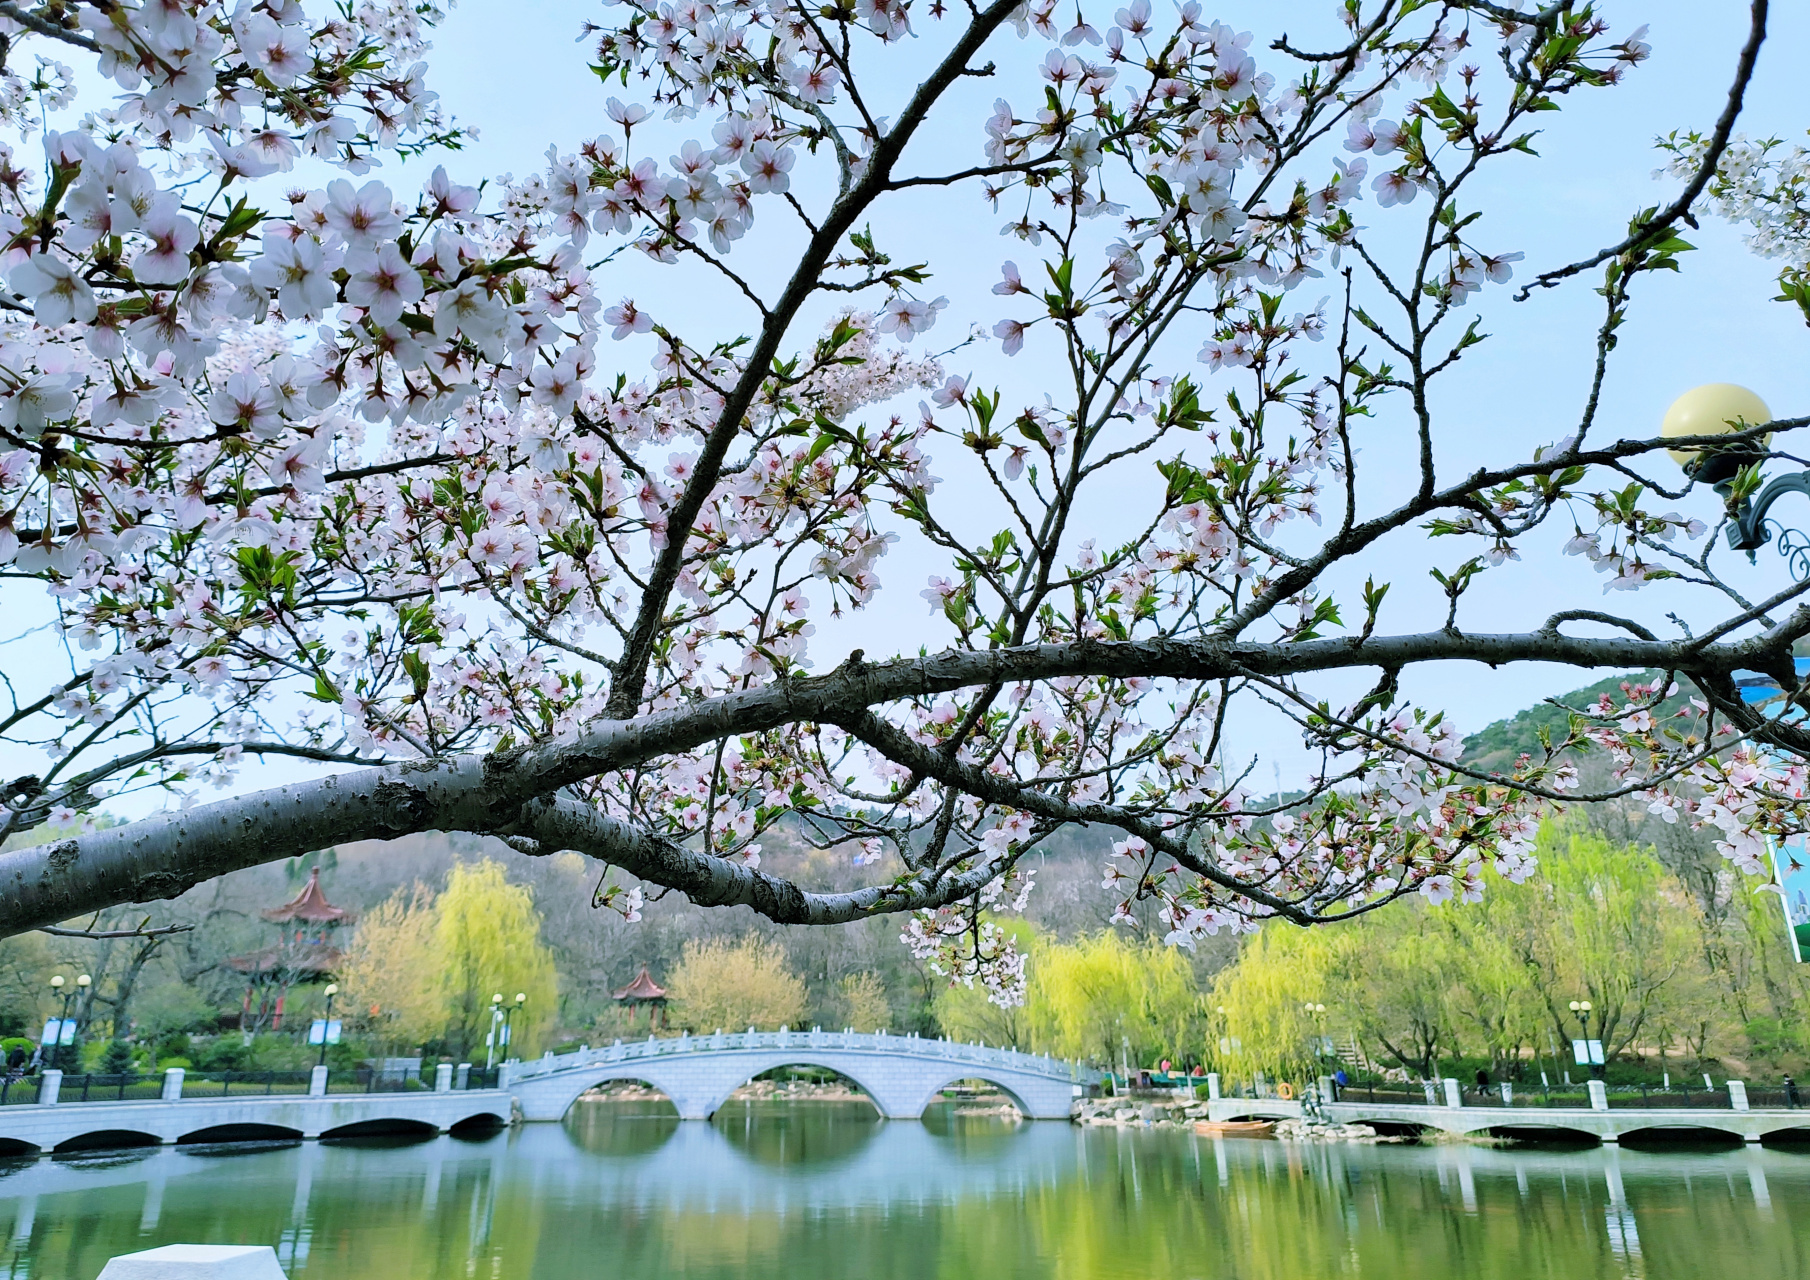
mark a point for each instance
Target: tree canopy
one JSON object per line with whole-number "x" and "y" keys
{"x": 395, "y": 487}
{"x": 425, "y": 967}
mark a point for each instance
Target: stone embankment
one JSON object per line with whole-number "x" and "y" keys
{"x": 1142, "y": 1113}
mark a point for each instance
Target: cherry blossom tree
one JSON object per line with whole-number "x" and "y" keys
{"x": 396, "y": 487}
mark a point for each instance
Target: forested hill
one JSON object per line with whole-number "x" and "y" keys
{"x": 1495, "y": 748}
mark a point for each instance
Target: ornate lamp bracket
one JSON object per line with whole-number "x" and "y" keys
{"x": 1750, "y": 529}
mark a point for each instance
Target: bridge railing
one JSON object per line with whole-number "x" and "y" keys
{"x": 18, "y": 1089}
{"x": 235, "y": 1084}
{"x": 127, "y": 1086}
{"x": 845, "y": 1041}
{"x": 1571, "y": 1097}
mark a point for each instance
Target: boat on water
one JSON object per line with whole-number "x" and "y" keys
{"x": 1235, "y": 1128}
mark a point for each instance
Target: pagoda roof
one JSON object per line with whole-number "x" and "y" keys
{"x": 318, "y": 960}
{"x": 642, "y": 988}
{"x": 310, "y": 905}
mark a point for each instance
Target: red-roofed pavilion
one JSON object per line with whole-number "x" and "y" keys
{"x": 643, "y": 991}
{"x": 304, "y": 952}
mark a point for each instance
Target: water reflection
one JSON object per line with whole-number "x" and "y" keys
{"x": 802, "y": 1190}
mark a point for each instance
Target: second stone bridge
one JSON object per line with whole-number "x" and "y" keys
{"x": 901, "y": 1074}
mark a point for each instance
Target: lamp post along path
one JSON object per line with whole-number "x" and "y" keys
{"x": 490, "y": 1041}
{"x": 327, "y": 1022}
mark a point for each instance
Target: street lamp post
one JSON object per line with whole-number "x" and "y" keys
{"x": 58, "y": 987}
{"x": 1581, "y": 1008}
{"x": 496, "y": 1017}
{"x": 1717, "y": 409}
{"x": 49, "y": 1052}
{"x": 82, "y": 982}
{"x": 327, "y": 1021}
{"x": 521, "y": 998}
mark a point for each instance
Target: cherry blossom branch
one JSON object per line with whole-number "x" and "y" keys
{"x": 1651, "y": 231}
{"x": 630, "y": 670}
{"x": 45, "y": 27}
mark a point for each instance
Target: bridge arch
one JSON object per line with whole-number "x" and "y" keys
{"x": 1551, "y": 1135}
{"x": 1683, "y": 1135}
{"x": 394, "y": 1129}
{"x": 841, "y": 1066}
{"x": 1000, "y": 1080}
{"x": 1795, "y": 1135}
{"x": 481, "y": 1124}
{"x": 240, "y": 1133}
{"x": 625, "y": 1073}
{"x": 679, "y": 1086}
{"x": 106, "y": 1140}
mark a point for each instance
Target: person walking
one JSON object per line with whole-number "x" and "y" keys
{"x": 1791, "y": 1098}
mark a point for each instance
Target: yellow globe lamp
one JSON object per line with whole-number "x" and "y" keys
{"x": 1713, "y": 409}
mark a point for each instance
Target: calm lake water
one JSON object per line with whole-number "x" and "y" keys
{"x": 822, "y": 1189}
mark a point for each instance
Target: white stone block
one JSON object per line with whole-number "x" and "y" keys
{"x": 197, "y": 1262}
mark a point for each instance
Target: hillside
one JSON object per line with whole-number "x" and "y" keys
{"x": 1496, "y": 746}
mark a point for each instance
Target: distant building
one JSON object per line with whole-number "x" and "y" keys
{"x": 305, "y": 951}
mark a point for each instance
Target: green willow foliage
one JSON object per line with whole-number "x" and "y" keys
{"x": 423, "y": 966}
{"x": 1102, "y": 997}
{"x": 1494, "y": 980}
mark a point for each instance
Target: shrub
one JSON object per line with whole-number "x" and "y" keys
{"x": 174, "y": 1045}
{"x": 228, "y": 1053}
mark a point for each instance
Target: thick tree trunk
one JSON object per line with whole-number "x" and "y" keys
{"x": 163, "y": 856}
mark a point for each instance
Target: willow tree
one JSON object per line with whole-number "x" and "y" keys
{"x": 397, "y": 487}
{"x": 487, "y": 942}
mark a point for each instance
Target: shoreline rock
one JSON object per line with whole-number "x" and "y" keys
{"x": 1180, "y": 1114}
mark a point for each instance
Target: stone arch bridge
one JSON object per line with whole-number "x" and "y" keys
{"x": 901, "y": 1074}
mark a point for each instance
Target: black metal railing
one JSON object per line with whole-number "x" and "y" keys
{"x": 244, "y": 1084}
{"x": 18, "y": 1088}
{"x": 127, "y": 1086}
